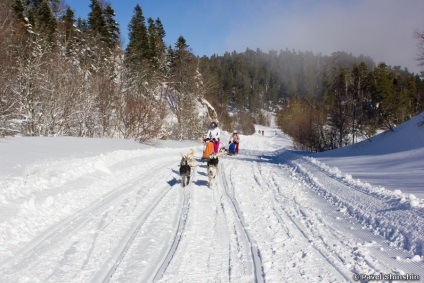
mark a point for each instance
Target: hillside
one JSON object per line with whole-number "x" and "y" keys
{"x": 393, "y": 159}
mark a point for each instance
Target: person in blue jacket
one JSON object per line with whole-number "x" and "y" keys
{"x": 234, "y": 138}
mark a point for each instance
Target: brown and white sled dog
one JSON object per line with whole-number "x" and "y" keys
{"x": 213, "y": 170}
{"x": 191, "y": 159}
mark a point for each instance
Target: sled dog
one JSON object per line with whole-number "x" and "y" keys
{"x": 213, "y": 169}
{"x": 191, "y": 159}
{"x": 185, "y": 171}
{"x": 223, "y": 151}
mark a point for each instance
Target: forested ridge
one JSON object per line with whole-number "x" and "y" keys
{"x": 323, "y": 102}
{"x": 65, "y": 76}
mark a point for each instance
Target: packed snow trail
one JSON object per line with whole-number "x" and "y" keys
{"x": 96, "y": 237}
{"x": 274, "y": 216}
{"x": 273, "y": 228}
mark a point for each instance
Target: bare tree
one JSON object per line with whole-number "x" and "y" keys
{"x": 59, "y": 103}
{"x": 7, "y": 101}
{"x": 26, "y": 87}
{"x": 142, "y": 117}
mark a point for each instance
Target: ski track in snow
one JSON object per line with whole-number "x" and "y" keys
{"x": 83, "y": 238}
{"x": 281, "y": 228}
{"x": 256, "y": 262}
{"x": 274, "y": 216}
{"x": 382, "y": 212}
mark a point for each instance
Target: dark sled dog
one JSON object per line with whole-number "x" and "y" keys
{"x": 185, "y": 170}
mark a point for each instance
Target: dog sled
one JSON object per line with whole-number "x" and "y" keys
{"x": 232, "y": 149}
{"x": 209, "y": 148}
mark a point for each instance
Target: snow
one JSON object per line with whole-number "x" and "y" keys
{"x": 393, "y": 160}
{"x": 96, "y": 210}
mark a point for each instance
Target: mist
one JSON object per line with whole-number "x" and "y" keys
{"x": 380, "y": 29}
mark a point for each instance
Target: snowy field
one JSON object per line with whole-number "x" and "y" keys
{"x": 394, "y": 160}
{"x": 104, "y": 210}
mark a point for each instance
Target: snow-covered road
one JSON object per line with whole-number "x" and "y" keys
{"x": 275, "y": 216}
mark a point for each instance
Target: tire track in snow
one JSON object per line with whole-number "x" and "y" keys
{"x": 309, "y": 237}
{"x": 51, "y": 237}
{"x": 129, "y": 238}
{"x": 221, "y": 228}
{"x": 177, "y": 238}
{"x": 32, "y": 255}
{"x": 254, "y": 251}
{"x": 286, "y": 252}
{"x": 70, "y": 194}
{"x": 203, "y": 250}
{"x": 161, "y": 256}
{"x": 381, "y": 212}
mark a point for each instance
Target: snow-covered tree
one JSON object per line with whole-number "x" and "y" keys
{"x": 137, "y": 50}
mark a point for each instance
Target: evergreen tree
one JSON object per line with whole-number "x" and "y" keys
{"x": 153, "y": 52}
{"x": 68, "y": 21}
{"x": 160, "y": 45}
{"x": 183, "y": 66}
{"x": 97, "y": 23}
{"x": 33, "y": 4}
{"x": 138, "y": 45}
{"x": 46, "y": 20}
{"x": 337, "y": 103}
{"x": 384, "y": 93}
{"x": 183, "y": 79}
{"x": 112, "y": 27}
{"x": 82, "y": 25}
{"x": 39, "y": 14}
{"x": 160, "y": 32}
{"x": 18, "y": 8}
{"x": 359, "y": 81}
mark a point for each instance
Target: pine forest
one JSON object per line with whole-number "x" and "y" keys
{"x": 62, "y": 76}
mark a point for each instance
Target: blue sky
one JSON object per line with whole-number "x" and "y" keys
{"x": 381, "y": 29}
